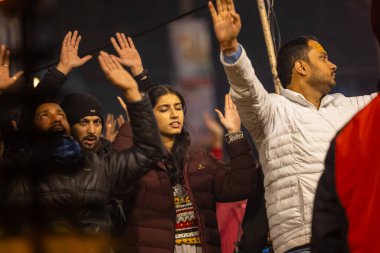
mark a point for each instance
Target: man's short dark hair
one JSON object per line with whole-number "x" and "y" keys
{"x": 290, "y": 52}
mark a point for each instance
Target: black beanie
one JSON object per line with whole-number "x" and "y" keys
{"x": 80, "y": 105}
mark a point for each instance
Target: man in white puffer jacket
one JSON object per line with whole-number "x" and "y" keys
{"x": 292, "y": 131}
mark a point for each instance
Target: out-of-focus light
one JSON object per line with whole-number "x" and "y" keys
{"x": 36, "y": 80}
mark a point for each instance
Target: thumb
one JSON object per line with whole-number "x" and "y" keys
{"x": 220, "y": 114}
{"x": 18, "y": 75}
{"x": 86, "y": 59}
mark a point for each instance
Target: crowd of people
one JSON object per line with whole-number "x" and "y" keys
{"x": 70, "y": 179}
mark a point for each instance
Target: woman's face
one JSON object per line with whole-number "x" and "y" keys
{"x": 169, "y": 115}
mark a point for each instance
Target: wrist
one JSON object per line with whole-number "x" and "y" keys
{"x": 229, "y": 47}
{"x": 137, "y": 70}
{"x": 132, "y": 95}
{"x": 233, "y": 136}
{"x": 63, "y": 69}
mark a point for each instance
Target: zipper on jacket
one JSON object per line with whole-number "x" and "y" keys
{"x": 196, "y": 211}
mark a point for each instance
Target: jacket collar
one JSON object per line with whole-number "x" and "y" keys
{"x": 300, "y": 99}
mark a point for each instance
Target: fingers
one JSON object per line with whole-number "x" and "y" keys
{"x": 115, "y": 45}
{"x": 120, "y": 120}
{"x": 125, "y": 41}
{"x": 103, "y": 63}
{"x": 226, "y": 102}
{"x": 85, "y": 59}
{"x": 220, "y": 115}
{"x": 122, "y": 104}
{"x": 130, "y": 41}
{"x": 76, "y": 46}
{"x": 224, "y": 5}
{"x": 232, "y": 104}
{"x": 74, "y": 39}
{"x": 18, "y": 75}
{"x": 219, "y": 6}
{"x": 122, "y": 43}
{"x": 231, "y": 5}
{"x": 214, "y": 14}
{"x": 2, "y": 54}
{"x": 66, "y": 40}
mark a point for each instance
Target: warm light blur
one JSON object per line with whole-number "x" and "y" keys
{"x": 36, "y": 80}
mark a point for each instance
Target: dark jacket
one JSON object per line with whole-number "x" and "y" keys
{"x": 150, "y": 209}
{"x": 77, "y": 197}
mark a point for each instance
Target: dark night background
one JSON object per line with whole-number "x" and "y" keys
{"x": 343, "y": 27}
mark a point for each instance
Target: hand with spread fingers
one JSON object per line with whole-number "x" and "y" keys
{"x": 128, "y": 54}
{"x": 231, "y": 119}
{"x": 119, "y": 76}
{"x": 69, "y": 58}
{"x": 227, "y": 24}
{"x": 6, "y": 80}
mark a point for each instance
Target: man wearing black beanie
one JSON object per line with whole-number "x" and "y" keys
{"x": 85, "y": 115}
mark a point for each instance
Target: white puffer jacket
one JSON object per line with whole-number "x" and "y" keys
{"x": 292, "y": 138}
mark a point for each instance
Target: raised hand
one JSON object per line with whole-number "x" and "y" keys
{"x": 231, "y": 119}
{"x": 110, "y": 132}
{"x": 119, "y": 76}
{"x": 6, "y": 80}
{"x": 128, "y": 54}
{"x": 69, "y": 58}
{"x": 227, "y": 24}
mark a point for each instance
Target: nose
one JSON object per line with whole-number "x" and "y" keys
{"x": 173, "y": 114}
{"x": 57, "y": 118}
{"x": 333, "y": 66}
{"x": 91, "y": 128}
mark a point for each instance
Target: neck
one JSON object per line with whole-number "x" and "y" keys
{"x": 310, "y": 94}
{"x": 168, "y": 142}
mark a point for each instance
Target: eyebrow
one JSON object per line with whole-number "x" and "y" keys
{"x": 47, "y": 110}
{"x": 168, "y": 105}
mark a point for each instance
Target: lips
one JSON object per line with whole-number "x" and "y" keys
{"x": 175, "y": 124}
{"x": 90, "y": 140}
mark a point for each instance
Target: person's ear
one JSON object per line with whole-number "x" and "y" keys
{"x": 301, "y": 67}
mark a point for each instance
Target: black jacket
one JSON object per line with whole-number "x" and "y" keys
{"x": 60, "y": 199}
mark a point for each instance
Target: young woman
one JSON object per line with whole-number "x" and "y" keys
{"x": 172, "y": 208}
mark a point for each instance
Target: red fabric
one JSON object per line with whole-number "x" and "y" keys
{"x": 230, "y": 216}
{"x": 357, "y": 173}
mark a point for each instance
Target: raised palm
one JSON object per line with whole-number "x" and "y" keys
{"x": 115, "y": 72}
{"x": 69, "y": 57}
{"x": 226, "y": 22}
{"x": 128, "y": 54}
{"x": 6, "y": 80}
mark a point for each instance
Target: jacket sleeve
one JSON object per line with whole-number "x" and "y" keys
{"x": 128, "y": 166}
{"x": 361, "y": 101}
{"x": 50, "y": 84}
{"x": 237, "y": 181}
{"x": 254, "y": 103}
{"x": 329, "y": 225}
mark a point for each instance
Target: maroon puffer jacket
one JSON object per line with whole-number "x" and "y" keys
{"x": 150, "y": 211}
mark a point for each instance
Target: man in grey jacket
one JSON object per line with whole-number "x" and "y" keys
{"x": 292, "y": 131}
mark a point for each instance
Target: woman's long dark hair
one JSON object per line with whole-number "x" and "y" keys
{"x": 174, "y": 160}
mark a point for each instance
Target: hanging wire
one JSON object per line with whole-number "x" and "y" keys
{"x": 108, "y": 45}
{"x": 275, "y": 28}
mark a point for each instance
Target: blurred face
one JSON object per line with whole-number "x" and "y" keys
{"x": 169, "y": 115}
{"x": 50, "y": 118}
{"x": 322, "y": 75}
{"x": 87, "y": 132}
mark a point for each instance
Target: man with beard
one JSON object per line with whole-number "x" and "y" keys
{"x": 292, "y": 130}
{"x": 85, "y": 116}
{"x": 63, "y": 188}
